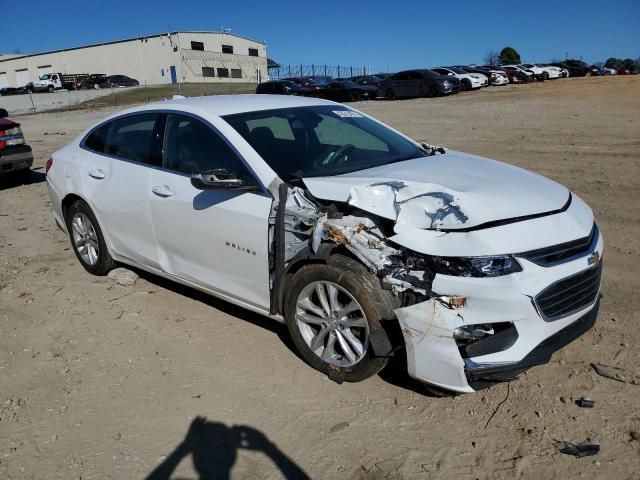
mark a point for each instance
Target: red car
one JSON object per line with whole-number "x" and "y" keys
{"x": 15, "y": 156}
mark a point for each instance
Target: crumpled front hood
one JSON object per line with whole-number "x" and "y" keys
{"x": 444, "y": 192}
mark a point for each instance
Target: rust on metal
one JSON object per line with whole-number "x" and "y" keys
{"x": 457, "y": 302}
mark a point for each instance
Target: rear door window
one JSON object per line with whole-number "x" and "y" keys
{"x": 134, "y": 137}
{"x": 97, "y": 139}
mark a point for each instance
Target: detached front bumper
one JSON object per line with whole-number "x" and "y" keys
{"x": 523, "y": 335}
{"x": 15, "y": 158}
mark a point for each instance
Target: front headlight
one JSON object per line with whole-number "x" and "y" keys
{"x": 490, "y": 266}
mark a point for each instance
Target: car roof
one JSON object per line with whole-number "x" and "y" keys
{"x": 230, "y": 104}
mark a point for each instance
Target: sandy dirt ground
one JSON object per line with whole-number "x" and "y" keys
{"x": 101, "y": 381}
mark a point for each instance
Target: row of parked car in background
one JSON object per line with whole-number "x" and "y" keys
{"x": 51, "y": 82}
{"x": 431, "y": 82}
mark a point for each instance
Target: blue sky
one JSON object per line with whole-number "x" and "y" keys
{"x": 377, "y": 34}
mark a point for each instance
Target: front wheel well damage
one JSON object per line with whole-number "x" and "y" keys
{"x": 304, "y": 231}
{"x": 328, "y": 253}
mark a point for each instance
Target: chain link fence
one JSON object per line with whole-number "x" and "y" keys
{"x": 336, "y": 71}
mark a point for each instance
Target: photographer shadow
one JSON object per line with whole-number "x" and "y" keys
{"x": 213, "y": 447}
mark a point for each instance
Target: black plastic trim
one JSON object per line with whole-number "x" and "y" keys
{"x": 498, "y": 342}
{"x": 579, "y": 248}
{"x": 539, "y": 355}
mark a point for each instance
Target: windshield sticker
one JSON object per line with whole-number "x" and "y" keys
{"x": 347, "y": 114}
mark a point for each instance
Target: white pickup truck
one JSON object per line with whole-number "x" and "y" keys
{"x": 49, "y": 82}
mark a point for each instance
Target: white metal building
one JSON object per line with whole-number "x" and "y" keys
{"x": 154, "y": 59}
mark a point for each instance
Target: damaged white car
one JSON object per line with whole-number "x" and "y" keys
{"x": 365, "y": 242}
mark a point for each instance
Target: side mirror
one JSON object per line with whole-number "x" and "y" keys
{"x": 3, "y": 113}
{"x": 218, "y": 178}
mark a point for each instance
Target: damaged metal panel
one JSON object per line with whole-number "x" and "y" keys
{"x": 434, "y": 306}
{"x": 360, "y": 235}
{"x": 466, "y": 191}
{"x": 300, "y": 225}
{"x": 576, "y": 222}
{"x": 412, "y": 205}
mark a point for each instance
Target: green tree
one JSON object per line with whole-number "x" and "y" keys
{"x": 628, "y": 64}
{"x": 509, "y": 56}
{"x": 612, "y": 62}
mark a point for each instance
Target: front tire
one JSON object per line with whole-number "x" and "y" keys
{"x": 466, "y": 85}
{"x": 51, "y": 89}
{"x": 434, "y": 91}
{"x": 87, "y": 240}
{"x": 354, "y": 96}
{"x": 331, "y": 310}
{"x": 390, "y": 94}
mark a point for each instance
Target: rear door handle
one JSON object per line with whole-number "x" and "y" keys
{"x": 162, "y": 191}
{"x": 97, "y": 174}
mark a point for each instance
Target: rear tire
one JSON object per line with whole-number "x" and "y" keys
{"x": 87, "y": 240}
{"x": 354, "y": 96}
{"x": 319, "y": 330}
{"x": 390, "y": 94}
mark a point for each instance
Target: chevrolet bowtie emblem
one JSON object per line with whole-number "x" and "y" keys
{"x": 594, "y": 258}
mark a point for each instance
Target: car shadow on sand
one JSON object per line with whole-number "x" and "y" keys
{"x": 17, "y": 179}
{"x": 214, "y": 446}
{"x": 228, "y": 308}
{"x": 394, "y": 373}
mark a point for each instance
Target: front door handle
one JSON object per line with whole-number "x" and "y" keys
{"x": 97, "y": 174}
{"x": 162, "y": 191}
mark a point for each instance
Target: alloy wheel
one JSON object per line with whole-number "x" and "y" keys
{"x": 85, "y": 238}
{"x": 332, "y": 323}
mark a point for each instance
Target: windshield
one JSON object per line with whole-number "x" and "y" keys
{"x": 457, "y": 70}
{"x": 321, "y": 140}
{"x": 45, "y": 77}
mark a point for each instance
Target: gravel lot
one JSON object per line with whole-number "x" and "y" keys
{"x": 99, "y": 380}
{"x": 21, "y": 104}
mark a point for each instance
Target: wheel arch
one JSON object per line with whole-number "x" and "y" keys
{"x": 69, "y": 200}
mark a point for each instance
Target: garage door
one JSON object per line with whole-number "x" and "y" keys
{"x": 3, "y": 80}
{"x": 22, "y": 78}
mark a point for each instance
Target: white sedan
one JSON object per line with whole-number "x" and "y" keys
{"x": 468, "y": 81}
{"x": 365, "y": 242}
{"x": 546, "y": 72}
